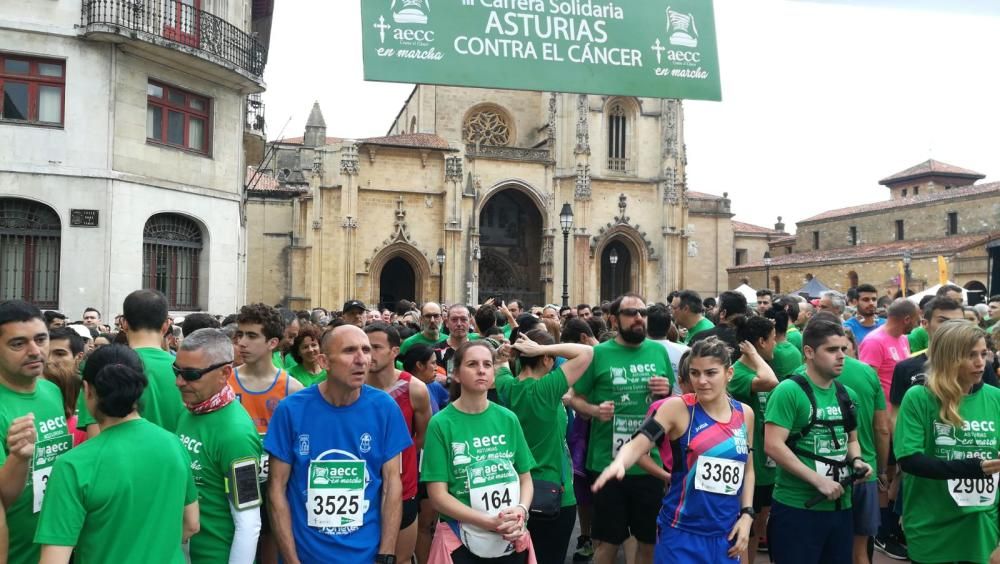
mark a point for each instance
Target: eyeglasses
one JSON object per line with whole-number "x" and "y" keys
{"x": 633, "y": 312}
{"x": 432, "y": 316}
{"x": 195, "y": 374}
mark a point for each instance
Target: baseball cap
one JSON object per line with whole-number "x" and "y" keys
{"x": 82, "y": 331}
{"x": 354, "y": 304}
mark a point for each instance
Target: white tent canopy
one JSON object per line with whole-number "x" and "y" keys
{"x": 915, "y": 298}
{"x": 749, "y": 293}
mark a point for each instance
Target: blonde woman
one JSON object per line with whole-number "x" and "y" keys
{"x": 946, "y": 440}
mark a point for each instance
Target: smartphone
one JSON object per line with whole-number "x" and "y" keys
{"x": 245, "y": 485}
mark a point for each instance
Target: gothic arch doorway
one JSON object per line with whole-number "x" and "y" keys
{"x": 616, "y": 270}
{"x": 397, "y": 282}
{"x": 510, "y": 236}
{"x": 977, "y": 292}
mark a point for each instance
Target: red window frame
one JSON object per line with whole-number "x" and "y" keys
{"x": 183, "y": 25}
{"x": 185, "y": 109}
{"x": 34, "y": 80}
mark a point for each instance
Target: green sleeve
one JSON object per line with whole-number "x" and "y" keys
{"x": 551, "y": 388}
{"x": 191, "y": 494}
{"x": 505, "y": 380}
{"x": 911, "y": 427}
{"x": 436, "y": 463}
{"x": 523, "y": 459}
{"x": 63, "y": 514}
{"x": 84, "y": 417}
{"x": 785, "y": 405}
{"x": 740, "y": 386}
{"x": 877, "y": 388}
{"x": 585, "y": 384}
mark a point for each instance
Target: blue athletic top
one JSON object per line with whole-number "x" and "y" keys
{"x": 694, "y": 510}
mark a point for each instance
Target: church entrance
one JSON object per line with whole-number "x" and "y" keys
{"x": 616, "y": 271}
{"x": 397, "y": 282}
{"x": 510, "y": 237}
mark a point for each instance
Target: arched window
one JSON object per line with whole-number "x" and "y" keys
{"x": 618, "y": 138}
{"x": 413, "y": 124}
{"x": 171, "y": 251}
{"x": 29, "y": 252}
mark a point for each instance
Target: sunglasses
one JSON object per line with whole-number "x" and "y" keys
{"x": 633, "y": 312}
{"x": 195, "y": 374}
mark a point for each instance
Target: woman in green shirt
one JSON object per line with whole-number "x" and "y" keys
{"x": 131, "y": 482}
{"x": 536, "y": 397}
{"x": 946, "y": 440}
{"x": 305, "y": 352}
{"x": 477, "y": 469}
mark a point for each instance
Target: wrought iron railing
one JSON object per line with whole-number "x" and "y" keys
{"x": 618, "y": 165}
{"x": 180, "y": 22}
{"x": 255, "y": 114}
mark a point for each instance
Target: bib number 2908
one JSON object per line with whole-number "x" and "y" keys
{"x": 974, "y": 492}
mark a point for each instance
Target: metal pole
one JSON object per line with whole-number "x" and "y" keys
{"x": 565, "y": 294}
{"x": 440, "y": 283}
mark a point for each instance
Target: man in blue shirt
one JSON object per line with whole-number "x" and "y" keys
{"x": 866, "y": 320}
{"x": 334, "y": 485}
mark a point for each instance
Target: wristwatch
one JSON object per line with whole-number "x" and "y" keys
{"x": 748, "y": 511}
{"x": 385, "y": 559}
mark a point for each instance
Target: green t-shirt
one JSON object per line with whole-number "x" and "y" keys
{"x": 919, "y": 340}
{"x": 740, "y": 388}
{"x": 53, "y": 440}
{"x": 787, "y": 359}
{"x": 794, "y": 336}
{"x": 160, "y": 402}
{"x": 129, "y": 483}
{"x": 788, "y": 407}
{"x": 215, "y": 441}
{"x": 287, "y": 361}
{"x": 537, "y": 402}
{"x": 704, "y": 324}
{"x": 305, "y": 377}
{"x": 418, "y": 339}
{"x": 457, "y": 441}
{"x": 621, "y": 374}
{"x": 935, "y": 524}
{"x": 863, "y": 381}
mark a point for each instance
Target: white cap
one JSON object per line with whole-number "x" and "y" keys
{"x": 82, "y": 331}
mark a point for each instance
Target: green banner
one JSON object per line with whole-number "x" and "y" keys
{"x": 652, "y": 48}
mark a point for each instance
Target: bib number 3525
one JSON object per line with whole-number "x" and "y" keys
{"x": 335, "y": 497}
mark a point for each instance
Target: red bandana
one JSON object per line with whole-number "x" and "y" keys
{"x": 214, "y": 403}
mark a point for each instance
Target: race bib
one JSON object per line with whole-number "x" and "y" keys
{"x": 624, "y": 426}
{"x": 42, "y": 460}
{"x": 336, "y": 493}
{"x": 974, "y": 492}
{"x": 493, "y": 487}
{"x": 265, "y": 459}
{"x": 719, "y": 475}
{"x": 826, "y": 470}
{"x": 769, "y": 462}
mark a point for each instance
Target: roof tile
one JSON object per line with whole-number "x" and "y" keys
{"x": 931, "y": 167}
{"x": 899, "y": 203}
{"x": 740, "y": 227}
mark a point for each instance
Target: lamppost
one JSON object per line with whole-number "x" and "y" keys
{"x": 441, "y": 257}
{"x": 613, "y": 259}
{"x": 566, "y": 220}
{"x": 767, "y": 269}
{"x": 907, "y": 260}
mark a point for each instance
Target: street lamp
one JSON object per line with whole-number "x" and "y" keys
{"x": 767, "y": 269}
{"x": 566, "y": 220}
{"x": 907, "y": 260}
{"x": 441, "y": 257}
{"x": 613, "y": 259}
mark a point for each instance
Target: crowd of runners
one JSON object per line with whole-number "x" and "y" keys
{"x": 687, "y": 430}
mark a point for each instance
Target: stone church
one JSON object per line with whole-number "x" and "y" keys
{"x": 461, "y": 201}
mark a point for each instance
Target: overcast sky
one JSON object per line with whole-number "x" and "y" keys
{"x": 821, "y": 98}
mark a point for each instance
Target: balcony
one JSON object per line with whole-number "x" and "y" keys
{"x": 178, "y": 30}
{"x": 255, "y": 114}
{"x": 619, "y": 167}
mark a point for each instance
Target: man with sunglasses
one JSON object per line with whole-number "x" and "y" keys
{"x": 144, "y": 321}
{"x": 224, "y": 447}
{"x": 430, "y": 329}
{"x": 627, "y": 374}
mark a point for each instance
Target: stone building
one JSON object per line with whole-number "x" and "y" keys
{"x": 123, "y": 134}
{"x": 480, "y": 177}
{"x": 934, "y": 209}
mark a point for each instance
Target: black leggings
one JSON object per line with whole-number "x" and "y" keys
{"x": 551, "y": 537}
{"x": 463, "y": 556}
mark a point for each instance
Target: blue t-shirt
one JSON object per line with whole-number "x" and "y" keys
{"x": 859, "y": 330}
{"x": 304, "y": 428}
{"x": 439, "y": 396}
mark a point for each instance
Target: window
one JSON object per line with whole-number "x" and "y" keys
{"x": 815, "y": 239}
{"x": 29, "y": 252}
{"x": 854, "y": 235}
{"x": 952, "y": 223}
{"x": 487, "y": 126}
{"x": 33, "y": 89}
{"x": 171, "y": 252}
{"x": 947, "y": 187}
{"x": 904, "y": 192}
{"x": 741, "y": 256}
{"x": 899, "y": 230}
{"x": 177, "y": 118}
{"x": 617, "y": 136}
{"x": 916, "y": 190}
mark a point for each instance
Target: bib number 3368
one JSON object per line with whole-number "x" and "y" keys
{"x": 719, "y": 475}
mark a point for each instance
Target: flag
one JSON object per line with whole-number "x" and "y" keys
{"x": 942, "y": 270}
{"x": 902, "y": 279}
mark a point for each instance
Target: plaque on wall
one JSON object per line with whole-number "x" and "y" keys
{"x": 83, "y": 218}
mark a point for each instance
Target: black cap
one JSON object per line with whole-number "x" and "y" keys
{"x": 354, "y": 304}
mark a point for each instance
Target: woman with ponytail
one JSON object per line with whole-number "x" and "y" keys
{"x": 131, "y": 482}
{"x": 947, "y": 435}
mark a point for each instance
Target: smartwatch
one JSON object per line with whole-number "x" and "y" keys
{"x": 385, "y": 559}
{"x": 748, "y": 511}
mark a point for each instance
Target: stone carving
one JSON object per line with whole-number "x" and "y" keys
{"x": 692, "y": 248}
{"x": 400, "y": 235}
{"x": 487, "y": 127}
{"x": 349, "y": 160}
{"x": 621, "y": 223}
{"x": 350, "y": 222}
{"x": 670, "y": 129}
{"x": 453, "y": 169}
{"x": 509, "y": 153}
{"x": 582, "y": 126}
{"x": 670, "y": 194}
{"x": 552, "y": 121}
{"x": 583, "y": 191}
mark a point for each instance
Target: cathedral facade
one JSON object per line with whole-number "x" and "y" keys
{"x": 461, "y": 201}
